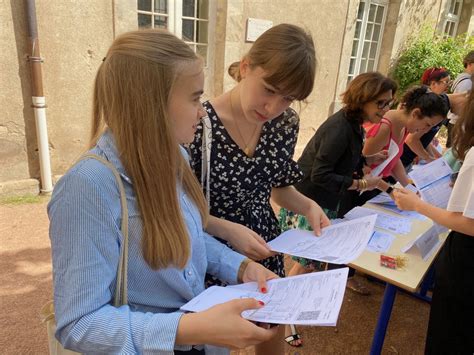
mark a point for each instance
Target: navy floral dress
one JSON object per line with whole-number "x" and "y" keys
{"x": 240, "y": 186}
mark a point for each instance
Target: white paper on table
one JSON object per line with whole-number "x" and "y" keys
{"x": 309, "y": 299}
{"x": 425, "y": 244}
{"x": 430, "y": 172}
{"x": 382, "y": 198}
{"x": 411, "y": 188}
{"x": 440, "y": 228}
{"x": 398, "y": 225}
{"x": 380, "y": 242}
{"x": 438, "y": 192}
{"x": 339, "y": 243}
{"x": 393, "y": 150}
{"x": 407, "y": 214}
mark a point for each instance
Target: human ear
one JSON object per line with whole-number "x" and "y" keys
{"x": 416, "y": 113}
{"x": 244, "y": 67}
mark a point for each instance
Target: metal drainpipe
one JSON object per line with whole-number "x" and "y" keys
{"x": 39, "y": 101}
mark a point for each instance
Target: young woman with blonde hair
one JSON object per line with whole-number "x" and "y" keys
{"x": 252, "y": 133}
{"x": 451, "y": 325}
{"x": 146, "y": 103}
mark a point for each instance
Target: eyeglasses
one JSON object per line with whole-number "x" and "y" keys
{"x": 381, "y": 104}
{"x": 445, "y": 82}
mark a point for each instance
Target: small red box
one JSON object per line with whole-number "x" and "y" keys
{"x": 388, "y": 261}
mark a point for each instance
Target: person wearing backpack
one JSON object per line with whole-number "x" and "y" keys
{"x": 462, "y": 83}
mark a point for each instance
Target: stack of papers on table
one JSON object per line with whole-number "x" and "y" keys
{"x": 310, "y": 299}
{"x": 398, "y": 225}
{"x": 382, "y": 199}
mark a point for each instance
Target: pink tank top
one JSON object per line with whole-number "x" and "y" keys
{"x": 372, "y": 132}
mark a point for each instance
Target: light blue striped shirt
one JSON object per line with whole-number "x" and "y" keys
{"x": 85, "y": 218}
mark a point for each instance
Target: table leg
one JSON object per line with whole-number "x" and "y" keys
{"x": 384, "y": 317}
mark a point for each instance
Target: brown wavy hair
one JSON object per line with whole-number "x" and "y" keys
{"x": 131, "y": 96}
{"x": 286, "y": 53}
{"x": 463, "y": 133}
{"x": 365, "y": 88}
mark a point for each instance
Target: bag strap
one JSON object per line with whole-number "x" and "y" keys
{"x": 121, "y": 294}
{"x": 206, "y": 156}
{"x": 457, "y": 82}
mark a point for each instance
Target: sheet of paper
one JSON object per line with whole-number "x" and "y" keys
{"x": 411, "y": 188}
{"x": 398, "y": 225}
{"x": 430, "y": 172}
{"x": 440, "y": 228}
{"x": 438, "y": 192}
{"x": 407, "y": 214}
{"x": 425, "y": 244}
{"x": 380, "y": 242}
{"x": 310, "y": 299}
{"x": 339, "y": 243}
{"x": 392, "y": 152}
{"x": 382, "y": 199}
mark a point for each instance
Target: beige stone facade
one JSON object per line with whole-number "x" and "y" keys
{"x": 74, "y": 37}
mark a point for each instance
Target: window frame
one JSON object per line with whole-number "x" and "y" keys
{"x": 362, "y": 37}
{"x": 175, "y": 19}
{"x": 451, "y": 18}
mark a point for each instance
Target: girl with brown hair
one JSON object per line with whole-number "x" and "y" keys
{"x": 420, "y": 109}
{"x": 419, "y": 144}
{"x": 451, "y": 325}
{"x": 146, "y": 103}
{"x": 252, "y": 133}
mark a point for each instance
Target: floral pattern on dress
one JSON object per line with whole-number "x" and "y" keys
{"x": 241, "y": 185}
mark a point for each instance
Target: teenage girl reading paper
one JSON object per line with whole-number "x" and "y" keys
{"x": 253, "y": 133}
{"x": 146, "y": 103}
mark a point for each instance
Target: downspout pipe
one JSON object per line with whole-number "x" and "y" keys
{"x": 38, "y": 99}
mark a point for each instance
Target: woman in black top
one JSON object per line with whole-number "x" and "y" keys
{"x": 332, "y": 161}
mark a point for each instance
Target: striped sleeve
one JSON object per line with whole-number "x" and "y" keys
{"x": 85, "y": 240}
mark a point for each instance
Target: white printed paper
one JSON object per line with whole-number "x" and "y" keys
{"x": 393, "y": 150}
{"x": 407, "y": 214}
{"x": 438, "y": 192}
{"x": 382, "y": 198}
{"x": 398, "y": 225}
{"x": 310, "y": 299}
{"x": 380, "y": 242}
{"x": 411, "y": 188}
{"x": 339, "y": 243}
{"x": 430, "y": 172}
{"x": 425, "y": 244}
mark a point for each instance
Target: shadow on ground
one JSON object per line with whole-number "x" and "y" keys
{"x": 26, "y": 285}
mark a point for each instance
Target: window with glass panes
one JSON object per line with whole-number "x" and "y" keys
{"x": 367, "y": 37}
{"x": 451, "y": 21}
{"x": 188, "y": 19}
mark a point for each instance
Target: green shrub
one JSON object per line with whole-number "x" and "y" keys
{"x": 428, "y": 50}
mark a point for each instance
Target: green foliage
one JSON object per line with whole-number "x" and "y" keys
{"x": 24, "y": 199}
{"x": 428, "y": 50}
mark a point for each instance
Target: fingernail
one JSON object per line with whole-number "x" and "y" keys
{"x": 264, "y": 289}
{"x": 261, "y": 303}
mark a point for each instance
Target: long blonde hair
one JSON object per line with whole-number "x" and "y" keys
{"x": 131, "y": 96}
